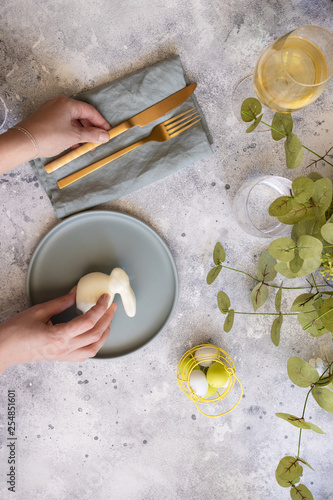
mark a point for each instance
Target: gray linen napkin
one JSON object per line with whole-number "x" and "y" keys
{"x": 118, "y": 101}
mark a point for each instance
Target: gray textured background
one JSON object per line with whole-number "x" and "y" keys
{"x": 121, "y": 429}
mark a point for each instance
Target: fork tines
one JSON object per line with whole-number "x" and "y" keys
{"x": 181, "y": 122}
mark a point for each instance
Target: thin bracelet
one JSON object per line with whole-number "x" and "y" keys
{"x": 31, "y": 137}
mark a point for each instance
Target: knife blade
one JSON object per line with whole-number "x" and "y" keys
{"x": 142, "y": 119}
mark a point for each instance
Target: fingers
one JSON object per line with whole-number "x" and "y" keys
{"x": 48, "y": 309}
{"x": 88, "y": 344}
{"x": 92, "y": 134}
{"x": 88, "y": 321}
{"x": 82, "y": 110}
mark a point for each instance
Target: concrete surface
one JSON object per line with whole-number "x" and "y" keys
{"x": 121, "y": 429}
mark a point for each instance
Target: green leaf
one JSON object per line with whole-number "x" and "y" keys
{"x": 288, "y": 471}
{"x": 303, "y": 189}
{"x": 309, "y": 247}
{"x": 278, "y": 298}
{"x": 304, "y": 462}
{"x": 281, "y": 206}
{"x": 296, "y": 264}
{"x": 281, "y": 122}
{"x": 322, "y": 196}
{"x": 311, "y": 227}
{"x": 213, "y": 274}
{"x": 218, "y": 254}
{"x": 254, "y": 125}
{"x": 304, "y": 302}
{"x": 299, "y": 212}
{"x": 265, "y": 269}
{"x": 259, "y": 295}
{"x": 276, "y": 329}
{"x": 282, "y": 249}
{"x": 294, "y": 151}
{"x": 250, "y": 109}
{"x": 300, "y": 492}
{"x": 326, "y": 309}
{"x": 324, "y": 397}
{"x": 223, "y": 302}
{"x": 229, "y": 321}
{"x": 325, "y": 380}
{"x": 327, "y": 232}
{"x": 283, "y": 268}
{"x": 313, "y": 324}
{"x": 293, "y": 420}
{"x": 301, "y": 373}
{"x": 316, "y": 429}
{"x": 301, "y": 424}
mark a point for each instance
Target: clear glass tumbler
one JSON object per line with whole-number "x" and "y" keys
{"x": 252, "y": 202}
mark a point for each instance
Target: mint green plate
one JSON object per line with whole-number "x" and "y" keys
{"x": 100, "y": 241}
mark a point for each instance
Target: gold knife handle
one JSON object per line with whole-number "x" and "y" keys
{"x": 69, "y": 179}
{"x": 88, "y": 146}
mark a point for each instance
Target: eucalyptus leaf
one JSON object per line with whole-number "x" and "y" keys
{"x": 299, "y": 212}
{"x": 229, "y": 321}
{"x": 324, "y": 397}
{"x": 310, "y": 226}
{"x": 213, "y": 274}
{"x": 303, "y": 188}
{"x": 276, "y": 329}
{"x": 293, "y": 420}
{"x": 322, "y": 196}
{"x": 288, "y": 471}
{"x": 223, "y": 302}
{"x": 254, "y": 125}
{"x": 308, "y": 267}
{"x": 259, "y": 295}
{"x": 281, "y": 206}
{"x": 283, "y": 268}
{"x": 324, "y": 380}
{"x": 218, "y": 254}
{"x": 265, "y": 269}
{"x": 296, "y": 263}
{"x": 278, "y": 298}
{"x": 282, "y": 125}
{"x": 282, "y": 249}
{"x": 300, "y": 492}
{"x": 316, "y": 429}
{"x": 250, "y": 109}
{"x": 327, "y": 232}
{"x": 294, "y": 151}
{"x": 304, "y": 302}
{"x": 312, "y": 324}
{"x": 301, "y": 373}
{"x": 326, "y": 309}
{"x": 309, "y": 247}
{"x": 305, "y": 462}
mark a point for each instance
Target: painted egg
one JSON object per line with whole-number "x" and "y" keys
{"x": 217, "y": 375}
{"x": 198, "y": 383}
{"x": 206, "y": 355}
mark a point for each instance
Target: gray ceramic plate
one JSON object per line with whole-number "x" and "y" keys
{"x": 99, "y": 241}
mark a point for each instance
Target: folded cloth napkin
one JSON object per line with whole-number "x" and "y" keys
{"x": 118, "y": 101}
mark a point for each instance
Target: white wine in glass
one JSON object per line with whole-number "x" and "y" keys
{"x": 295, "y": 69}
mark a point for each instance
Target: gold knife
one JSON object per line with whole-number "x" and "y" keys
{"x": 141, "y": 120}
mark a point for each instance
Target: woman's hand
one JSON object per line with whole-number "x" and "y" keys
{"x": 62, "y": 122}
{"x": 56, "y": 126}
{"x": 30, "y": 336}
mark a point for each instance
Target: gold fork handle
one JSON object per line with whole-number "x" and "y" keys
{"x": 69, "y": 179}
{"x": 76, "y": 153}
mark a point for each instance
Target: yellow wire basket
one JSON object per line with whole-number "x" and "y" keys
{"x": 200, "y": 358}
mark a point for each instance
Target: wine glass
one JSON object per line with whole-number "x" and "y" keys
{"x": 292, "y": 72}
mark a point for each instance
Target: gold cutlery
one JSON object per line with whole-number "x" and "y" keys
{"x": 142, "y": 119}
{"x": 162, "y": 132}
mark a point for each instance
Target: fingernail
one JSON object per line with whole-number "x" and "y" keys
{"x": 104, "y": 136}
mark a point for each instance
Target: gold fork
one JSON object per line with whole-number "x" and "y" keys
{"x": 162, "y": 132}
